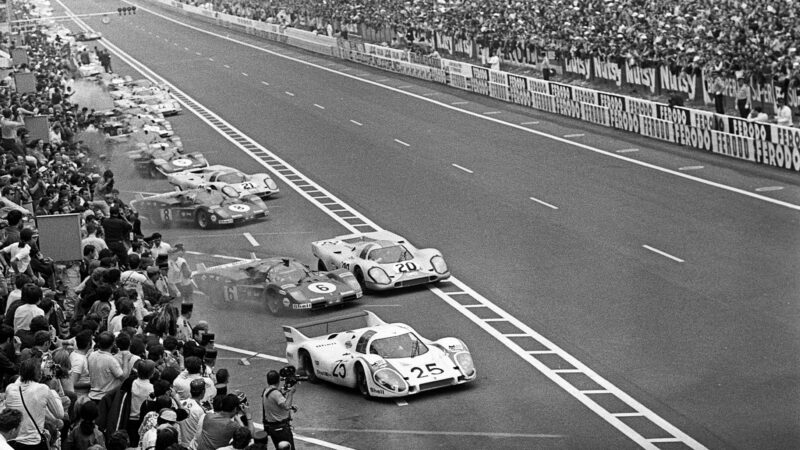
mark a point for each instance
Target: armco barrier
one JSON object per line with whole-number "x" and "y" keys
{"x": 760, "y": 143}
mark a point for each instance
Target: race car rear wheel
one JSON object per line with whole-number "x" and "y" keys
{"x": 202, "y": 220}
{"x": 321, "y": 266}
{"x": 274, "y": 305}
{"x": 361, "y": 381}
{"x": 305, "y": 361}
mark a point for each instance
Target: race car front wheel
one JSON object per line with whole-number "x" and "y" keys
{"x": 274, "y": 306}
{"x": 201, "y": 219}
{"x": 361, "y": 381}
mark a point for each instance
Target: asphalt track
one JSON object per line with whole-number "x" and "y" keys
{"x": 709, "y": 343}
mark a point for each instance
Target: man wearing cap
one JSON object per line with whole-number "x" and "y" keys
{"x": 193, "y": 406}
{"x": 179, "y": 273}
{"x": 184, "y": 326}
{"x": 117, "y": 232}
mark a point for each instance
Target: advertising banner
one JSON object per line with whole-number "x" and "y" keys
{"x": 480, "y": 80}
{"x": 518, "y": 91}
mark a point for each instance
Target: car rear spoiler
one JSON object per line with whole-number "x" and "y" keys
{"x": 293, "y": 333}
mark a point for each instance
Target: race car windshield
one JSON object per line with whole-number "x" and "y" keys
{"x": 286, "y": 275}
{"x": 401, "y": 346}
{"x": 231, "y": 178}
{"x": 209, "y": 198}
{"x": 388, "y": 255}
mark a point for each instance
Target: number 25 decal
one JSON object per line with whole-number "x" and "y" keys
{"x": 432, "y": 369}
{"x": 406, "y": 267}
{"x": 339, "y": 370}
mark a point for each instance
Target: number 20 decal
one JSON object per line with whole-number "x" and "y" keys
{"x": 431, "y": 368}
{"x": 339, "y": 370}
{"x": 406, "y": 267}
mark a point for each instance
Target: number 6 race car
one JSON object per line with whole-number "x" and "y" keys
{"x": 381, "y": 359}
{"x": 282, "y": 284}
{"x": 217, "y": 176}
{"x": 381, "y": 260}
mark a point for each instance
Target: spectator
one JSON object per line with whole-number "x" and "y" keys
{"x": 117, "y": 233}
{"x": 743, "y": 100}
{"x": 194, "y": 368}
{"x": 10, "y": 421}
{"x": 92, "y": 238}
{"x": 85, "y": 434}
{"x": 31, "y": 295}
{"x": 105, "y": 372}
{"x": 79, "y": 363}
{"x": 217, "y": 428}
{"x": 165, "y": 433}
{"x": 179, "y": 274}
{"x": 195, "y": 410}
{"x": 758, "y": 115}
{"x": 784, "y": 113}
{"x": 140, "y": 392}
{"x": 34, "y": 400}
{"x": 20, "y": 253}
{"x": 241, "y": 439}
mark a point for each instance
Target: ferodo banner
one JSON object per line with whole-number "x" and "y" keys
{"x": 772, "y": 145}
{"x": 518, "y": 91}
{"x": 480, "y": 80}
{"x": 691, "y": 127}
{"x": 564, "y": 102}
{"x": 619, "y": 116}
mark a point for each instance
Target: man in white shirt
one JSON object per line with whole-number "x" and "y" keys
{"x": 157, "y": 247}
{"x": 10, "y": 421}
{"x": 182, "y": 384}
{"x": 494, "y": 62}
{"x": 20, "y": 252}
{"x": 784, "y": 116}
{"x": 179, "y": 273}
{"x": 31, "y": 295}
{"x": 92, "y": 238}
{"x": 105, "y": 372}
{"x": 189, "y": 427}
{"x": 34, "y": 400}
{"x": 757, "y": 114}
{"x": 79, "y": 363}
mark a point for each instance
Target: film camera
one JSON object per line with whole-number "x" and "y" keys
{"x": 289, "y": 376}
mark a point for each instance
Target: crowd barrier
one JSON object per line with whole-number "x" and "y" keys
{"x": 759, "y": 143}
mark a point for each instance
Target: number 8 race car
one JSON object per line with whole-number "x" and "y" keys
{"x": 381, "y": 359}
{"x": 381, "y": 260}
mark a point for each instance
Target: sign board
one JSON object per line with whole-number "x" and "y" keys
{"x": 25, "y": 81}
{"x": 38, "y": 128}
{"x": 19, "y": 56}
{"x": 60, "y": 236}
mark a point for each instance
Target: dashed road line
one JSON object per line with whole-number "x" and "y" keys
{"x": 461, "y": 168}
{"x": 532, "y": 122}
{"x": 226, "y": 66}
{"x": 663, "y": 253}
{"x": 289, "y": 93}
{"x": 431, "y": 94}
{"x": 405, "y": 86}
{"x": 245, "y": 75}
{"x": 400, "y": 402}
{"x": 402, "y": 143}
{"x": 459, "y": 103}
{"x": 685, "y": 168}
{"x": 574, "y": 135}
{"x": 769, "y": 188}
{"x": 251, "y": 240}
{"x": 382, "y": 80}
{"x": 265, "y": 83}
{"x": 628, "y": 150}
{"x": 491, "y": 113}
{"x": 319, "y": 106}
{"x": 357, "y": 123}
{"x": 211, "y": 59}
{"x": 186, "y": 48}
{"x": 543, "y": 203}
{"x": 198, "y": 53}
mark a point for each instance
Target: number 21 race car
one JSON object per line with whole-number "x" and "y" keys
{"x": 380, "y": 359}
{"x": 381, "y": 260}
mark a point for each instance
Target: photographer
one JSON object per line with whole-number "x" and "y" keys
{"x": 277, "y": 408}
{"x": 216, "y": 429}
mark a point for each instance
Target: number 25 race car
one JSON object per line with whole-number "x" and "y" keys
{"x": 380, "y": 360}
{"x": 381, "y": 260}
{"x": 282, "y": 284}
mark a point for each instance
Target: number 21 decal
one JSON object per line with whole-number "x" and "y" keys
{"x": 431, "y": 368}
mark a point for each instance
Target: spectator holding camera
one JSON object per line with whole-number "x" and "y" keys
{"x": 193, "y": 371}
{"x": 277, "y": 410}
{"x": 216, "y": 429}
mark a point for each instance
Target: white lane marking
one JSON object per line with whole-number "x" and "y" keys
{"x": 158, "y": 36}
{"x": 405, "y": 86}
{"x": 382, "y": 80}
{"x": 371, "y": 305}
{"x": 216, "y": 122}
{"x": 357, "y": 123}
{"x": 311, "y": 440}
{"x": 574, "y": 135}
{"x": 319, "y": 106}
{"x": 175, "y": 44}
{"x": 690, "y": 168}
{"x": 265, "y": 83}
{"x": 245, "y": 75}
{"x": 226, "y": 66}
{"x": 198, "y": 53}
{"x": 234, "y": 258}
{"x": 628, "y": 150}
{"x": 491, "y": 113}
{"x": 769, "y": 188}
{"x": 402, "y": 143}
{"x": 211, "y": 59}
{"x": 251, "y": 353}
{"x": 462, "y": 168}
{"x": 401, "y": 402}
{"x": 532, "y": 122}
{"x": 491, "y": 119}
{"x": 289, "y": 93}
{"x": 186, "y": 48}
{"x": 431, "y": 433}
{"x": 543, "y": 203}
{"x": 663, "y": 253}
{"x": 251, "y": 240}
{"x": 459, "y": 103}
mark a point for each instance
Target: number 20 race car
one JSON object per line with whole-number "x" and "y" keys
{"x": 381, "y": 260}
{"x": 380, "y": 360}
{"x": 282, "y": 284}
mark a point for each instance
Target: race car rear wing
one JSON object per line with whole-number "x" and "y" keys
{"x": 319, "y": 328}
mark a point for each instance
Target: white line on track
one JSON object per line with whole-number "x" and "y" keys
{"x": 532, "y": 122}
{"x": 319, "y": 106}
{"x": 186, "y": 48}
{"x": 574, "y": 135}
{"x": 229, "y": 131}
{"x": 461, "y": 167}
{"x": 198, "y": 53}
{"x": 402, "y": 143}
{"x": 211, "y": 59}
{"x": 251, "y": 353}
{"x": 289, "y": 93}
{"x": 663, "y": 253}
{"x": 431, "y": 94}
{"x": 357, "y": 123}
{"x": 175, "y": 44}
{"x": 769, "y": 188}
{"x": 226, "y": 66}
{"x": 684, "y": 168}
{"x": 430, "y": 433}
{"x": 245, "y": 75}
{"x": 491, "y": 113}
{"x": 628, "y": 150}
{"x": 543, "y": 203}
{"x": 251, "y": 240}
{"x": 459, "y": 103}
{"x": 265, "y": 83}
{"x": 382, "y": 80}
{"x": 405, "y": 86}
{"x": 400, "y": 402}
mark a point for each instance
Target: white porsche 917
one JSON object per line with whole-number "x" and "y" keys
{"x": 381, "y": 260}
{"x": 217, "y": 176}
{"x": 381, "y": 359}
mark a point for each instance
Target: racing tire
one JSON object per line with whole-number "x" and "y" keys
{"x": 361, "y": 381}
{"x": 274, "y": 305}
{"x": 308, "y": 367}
{"x": 360, "y": 278}
{"x": 321, "y": 266}
{"x": 202, "y": 220}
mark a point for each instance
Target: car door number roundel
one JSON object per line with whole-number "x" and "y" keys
{"x": 239, "y": 208}
{"x": 182, "y": 162}
{"x": 322, "y": 288}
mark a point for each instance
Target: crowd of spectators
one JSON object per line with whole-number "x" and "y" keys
{"x": 729, "y": 36}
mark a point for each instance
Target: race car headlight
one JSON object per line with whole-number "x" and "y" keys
{"x": 270, "y": 184}
{"x": 379, "y": 276}
{"x": 464, "y": 361}
{"x": 438, "y": 264}
{"x": 389, "y": 379}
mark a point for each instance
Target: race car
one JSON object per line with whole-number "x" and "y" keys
{"x": 164, "y": 158}
{"x": 165, "y": 106}
{"x": 381, "y": 260}
{"x": 216, "y": 176}
{"x": 87, "y": 36}
{"x": 380, "y": 359}
{"x": 202, "y": 207}
{"x": 281, "y": 284}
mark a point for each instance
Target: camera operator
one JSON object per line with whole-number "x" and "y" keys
{"x": 277, "y": 409}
